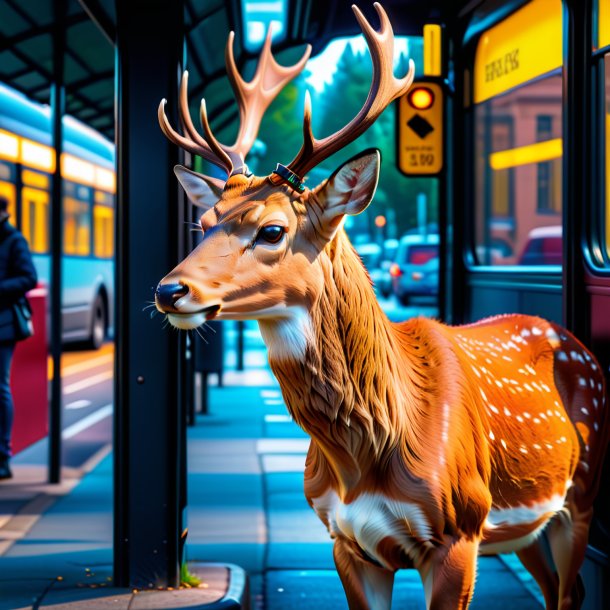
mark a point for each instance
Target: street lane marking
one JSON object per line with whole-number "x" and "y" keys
{"x": 87, "y": 383}
{"x": 87, "y": 422}
{"x": 270, "y": 418}
{"x": 273, "y": 401}
{"x": 79, "y": 404}
{"x": 270, "y": 394}
{"x": 79, "y": 367}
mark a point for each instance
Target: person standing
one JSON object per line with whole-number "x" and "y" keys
{"x": 17, "y": 276}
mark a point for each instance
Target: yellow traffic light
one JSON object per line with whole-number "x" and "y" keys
{"x": 421, "y": 98}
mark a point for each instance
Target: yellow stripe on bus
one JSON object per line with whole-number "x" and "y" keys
{"x": 525, "y": 45}
{"x": 533, "y": 153}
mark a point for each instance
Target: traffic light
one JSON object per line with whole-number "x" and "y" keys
{"x": 420, "y": 129}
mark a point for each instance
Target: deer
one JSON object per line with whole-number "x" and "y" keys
{"x": 430, "y": 444}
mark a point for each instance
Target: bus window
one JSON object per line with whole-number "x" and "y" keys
{"x": 77, "y": 227}
{"x": 103, "y": 221}
{"x": 518, "y": 139}
{"x": 35, "y": 218}
{"x": 7, "y": 190}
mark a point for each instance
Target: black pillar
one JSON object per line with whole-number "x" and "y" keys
{"x": 577, "y": 161}
{"x": 148, "y": 473}
{"x": 57, "y": 104}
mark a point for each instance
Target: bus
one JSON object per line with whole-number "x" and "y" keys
{"x": 27, "y": 164}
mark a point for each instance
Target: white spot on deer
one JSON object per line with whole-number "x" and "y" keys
{"x": 528, "y": 387}
{"x": 503, "y": 442}
{"x": 537, "y": 446}
{"x": 526, "y": 415}
{"x": 595, "y": 426}
{"x": 552, "y": 337}
{"x": 483, "y": 394}
{"x": 522, "y": 449}
{"x": 599, "y": 387}
{"x": 525, "y": 333}
{"x": 492, "y": 436}
{"x": 549, "y": 413}
{"x": 531, "y": 369}
{"x": 582, "y": 382}
{"x": 506, "y": 412}
{"x": 543, "y": 416}
{"x": 594, "y": 366}
{"x": 548, "y": 445}
{"x": 584, "y": 410}
{"x": 494, "y": 409}
{"x": 507, "y": 359}
{"x": 536, "y": 331}
{"x": 562, "y": 356}
{"x": 595, "y": 403}
{"x": 499, "y": 383}
{"x": 519, "y": 419}
{"x": 475, "y": 371}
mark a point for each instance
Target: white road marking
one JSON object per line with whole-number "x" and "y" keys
{"x": 79, "y": 404}
{"x": 88, "y": 382}
{"x": 277, "y": 419}
{"x": 79, "y": 367}
{"x": 87, "y": 422}
{"x": 273, "y": 401}
{"x": 270, "y": 394}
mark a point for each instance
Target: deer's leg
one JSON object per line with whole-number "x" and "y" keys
{"x": 535, "y": 561}
{"x": 449, "y": 574}
{"x": 568, "y": 535}
{"x": 367, "y": 586}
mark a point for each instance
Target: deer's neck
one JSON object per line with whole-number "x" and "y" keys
{"x": 339, "y": 367}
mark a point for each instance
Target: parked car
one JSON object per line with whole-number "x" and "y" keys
{"x": 415, "y": 270}
{"x": 383, "y": 284}
{"x": 544, "y": 247}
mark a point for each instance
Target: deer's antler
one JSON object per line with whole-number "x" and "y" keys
{"x": 385, "y": 88}
{"x": 253, "y": 99}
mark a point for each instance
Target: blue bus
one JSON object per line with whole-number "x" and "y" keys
{"x": 27, "y": 163}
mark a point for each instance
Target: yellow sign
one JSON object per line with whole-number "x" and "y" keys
{"x": 420, "y": 130}
{"x": 432, "y": 49}
{"x": 523, "y": 46}
{"x": 603, "y": 20}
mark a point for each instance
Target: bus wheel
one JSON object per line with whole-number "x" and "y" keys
{"x": 98, "y": 323}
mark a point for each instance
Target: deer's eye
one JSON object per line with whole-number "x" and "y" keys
{"x": 271, "y": 234}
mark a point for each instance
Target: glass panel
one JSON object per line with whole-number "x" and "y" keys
{"x": 77, "y": 227}
{"x": 103, "y": 219}
{"x": 35, "y": 218}
{"x": 518, "y": 192}
{"x": 7, "y": 191}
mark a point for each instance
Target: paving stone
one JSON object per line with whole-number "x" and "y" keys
{"x": 87, "y": 599}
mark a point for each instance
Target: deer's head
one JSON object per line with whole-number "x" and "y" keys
{"x": 263, "y": 237}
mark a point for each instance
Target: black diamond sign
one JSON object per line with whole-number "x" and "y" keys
{"x": 420, "y": 126}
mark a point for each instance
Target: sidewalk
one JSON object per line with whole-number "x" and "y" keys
{"x": 246, "y": 507}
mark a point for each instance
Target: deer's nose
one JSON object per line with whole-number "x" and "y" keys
{"x": 168, "y": 294}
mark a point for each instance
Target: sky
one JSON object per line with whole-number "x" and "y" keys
{"x": 323, "y": 66}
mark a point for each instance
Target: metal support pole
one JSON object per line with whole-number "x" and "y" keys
{"x": 57, "y": 112}
{"x": 148, "y": 466}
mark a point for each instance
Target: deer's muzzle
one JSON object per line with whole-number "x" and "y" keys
{"x": 166, "y": 295}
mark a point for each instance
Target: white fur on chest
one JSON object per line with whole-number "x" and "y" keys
{"x": 372, "y": 517}
{"x": 286, "y": 336}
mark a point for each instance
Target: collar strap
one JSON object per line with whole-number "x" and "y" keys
{"x": 289, "y": 177}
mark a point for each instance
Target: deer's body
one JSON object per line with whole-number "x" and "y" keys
{"x": 421, "y": 431}
{"x": 430, "y": 444}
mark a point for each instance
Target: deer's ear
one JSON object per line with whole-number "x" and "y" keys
{"x": 351, "y": 188}
{"x": 203, "y": 191}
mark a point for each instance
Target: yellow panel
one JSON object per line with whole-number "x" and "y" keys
{"x": 77, "y": 170}
{"x": 421, "y": 155}
{"x": 35, "y": 179}
{"x": 37, "y": 155}
{"x": 105, "y": 179}
{"x": 603, "y": 33}
{"x": 533, "y": 153}
{"x": 432, "y": 50}
{"x": 9, "y": 146}
{"x": 523, "y": 46}
{"x": 7, "y": 190}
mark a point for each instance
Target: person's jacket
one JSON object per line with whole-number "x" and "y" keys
{"x": 17, "y": 273}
